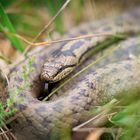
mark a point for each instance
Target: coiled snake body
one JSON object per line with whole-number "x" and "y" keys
{"x": 36, "y": 119}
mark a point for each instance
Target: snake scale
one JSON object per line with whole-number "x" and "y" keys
{"x": 37, "y": 119}
{"x": 63, "y": 62}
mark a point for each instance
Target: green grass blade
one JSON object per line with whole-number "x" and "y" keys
{"x": 53, "y": 7}
{"x": 15, "y": 41}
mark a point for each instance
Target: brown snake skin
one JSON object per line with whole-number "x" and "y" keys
{"x": 66, "y": 59}
{"x": 36, "y": 120}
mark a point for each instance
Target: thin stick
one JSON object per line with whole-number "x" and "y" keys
{"x": 12, "y": 135}
{"x": 75, "y": 38}
{"x": 4, "y": 134}
{"x": 46, "y": 26}
{"x": 5, "y": 76}
{"x": 90, "y": 120}
{"x": 99, "y": 34}
{"x": 4, "y": 58}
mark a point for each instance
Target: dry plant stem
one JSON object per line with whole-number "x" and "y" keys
{"x": 97, "y": 132}
{"x": 96, "y": 121}
{"x": 5, "y": 58}
{"x": 4, "y": 134}
{"x": 46, "y": 26}
{"x": 76, "y": 38}
{"x": 5, "y": 76}
{"x": 12, "y": 135}
{"x": 63, "y": 40}
{"x": 8, "y": 133}
{"x": 80, "y": 127}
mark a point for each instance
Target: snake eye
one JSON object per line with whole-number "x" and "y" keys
{"x": 61, "y": 69}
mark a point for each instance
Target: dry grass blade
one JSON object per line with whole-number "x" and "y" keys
{"x": 4, "y": 133}
{"x": 4, "y": 58}
{"x": 5, "y": 76}
{"x": 4, "y": 69}
{"x": 46, "y": 26}
{"x": 7, "y": 23}
{"x": 97, "y": 132}
{"x": 11, "y": 134}
{"x": 94, "y": 127}
{"x": 102, "y": 116}
{"x": 100, "y": 34}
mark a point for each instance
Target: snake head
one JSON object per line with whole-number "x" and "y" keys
{"x": 55, "y": 70}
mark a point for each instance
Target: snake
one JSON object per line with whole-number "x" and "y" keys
{"x": 70, "y": 55}
{"x": 38, "y": 119}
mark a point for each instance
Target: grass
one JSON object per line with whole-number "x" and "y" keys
{"x": 8, "y": 29}
{"x": 127, "y": 117}
{"x": 10, "y": 110}
{"x": 121, "y": 114}
{"x": 7, "y": 26}
{"x": 53, "y": 7}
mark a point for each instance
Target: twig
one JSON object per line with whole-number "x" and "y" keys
{"x": 10, "y": 133}
{"x": 5, "y": 76}
{"x": 90, "y": 120}
{"x": 97, "y": 132}
{"x": 46, "y": 26}
{"x": 99, "y": 34}
{"x": 5, "y": 59}
{"x": 4, "y": 133}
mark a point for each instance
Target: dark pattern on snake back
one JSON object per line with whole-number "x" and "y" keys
{"x": 37, "y": 119}
{"x": 66, "y": 59}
